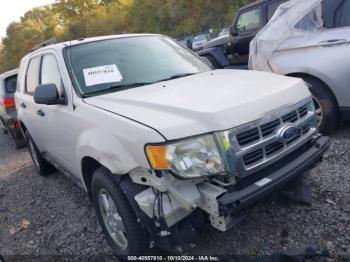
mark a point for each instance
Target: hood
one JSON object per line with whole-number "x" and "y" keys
{"x": 219, "y": 41}
{"x": 199, "y": 43}
{"x": 206, "y": 102}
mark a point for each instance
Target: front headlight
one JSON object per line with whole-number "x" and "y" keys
{"x": 190, "y": 158}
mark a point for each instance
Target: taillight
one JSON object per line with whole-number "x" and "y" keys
{"x": 9, "y": 102}
{"x": 17, "y": 124}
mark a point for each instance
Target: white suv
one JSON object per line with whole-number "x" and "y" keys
{"x": 160, "y": 141}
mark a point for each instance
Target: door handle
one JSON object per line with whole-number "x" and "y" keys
{"x": 40, "y": 112}
{"x": 333, "y": 42}
{"x": 23, "y": 105}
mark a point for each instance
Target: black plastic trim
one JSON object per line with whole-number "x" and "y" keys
{"x": 345, "y": 113}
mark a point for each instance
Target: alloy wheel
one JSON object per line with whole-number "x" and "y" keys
{"x": 112, "y": 219}
{"x": 318, "y": 111}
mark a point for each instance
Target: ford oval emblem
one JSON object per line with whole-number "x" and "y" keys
{"x": 287, "y": 132}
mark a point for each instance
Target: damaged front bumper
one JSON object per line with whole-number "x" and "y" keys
{"x": 236, "y": 202}
{"x": 222, "y": 205}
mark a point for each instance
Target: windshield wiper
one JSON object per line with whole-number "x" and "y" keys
{"x": 132, "y": 85}
{"x": 115, "y": 88}
{"x": 176, "y": 77}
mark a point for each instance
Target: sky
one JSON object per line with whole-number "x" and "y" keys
{"x": 12, "y": 10}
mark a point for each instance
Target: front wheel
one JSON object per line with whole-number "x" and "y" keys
{"x": 116, "y": 216}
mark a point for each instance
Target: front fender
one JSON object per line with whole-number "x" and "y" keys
{"x": 119, "y": 154}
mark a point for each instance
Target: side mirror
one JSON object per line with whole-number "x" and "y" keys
{"x": 233, "y": 31}
{"x": 48, "y": 95}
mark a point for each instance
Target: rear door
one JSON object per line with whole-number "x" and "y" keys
{"x": 334, "y": 51}
{"x": 246, "y": 26}
{"x": 27, "y": 108}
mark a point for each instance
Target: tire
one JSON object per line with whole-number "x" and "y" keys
{"x": 18, "y": 144}
{"x": 3, "y": 128}
{"x": 43, "y": 167}
{"x": 326, "y": 105}
{"x": 15, "y": 141}
{"x": 103, "y": 184}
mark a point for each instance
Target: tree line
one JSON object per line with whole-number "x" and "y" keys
{"x": 72, "y": 19}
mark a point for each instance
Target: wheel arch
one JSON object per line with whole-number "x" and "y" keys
{"x": 88, "y": 167}
{"x": 22, "y": 127}
{"x": 306, "y": 75}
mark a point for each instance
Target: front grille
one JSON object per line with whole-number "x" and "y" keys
{"x": 269, "y": 128}
{"x": 291, "y": 117}
{"x": 306, "y": 128}
{"x": 248, "y": 137}
{"x": 252, "y": 135}
{"x": 295, "y": 138}
{"x": 258, "y": 144}
{"x": 273, "y": 148}
{"x": 302, "y": 111}
{"x": 253, "y": 157}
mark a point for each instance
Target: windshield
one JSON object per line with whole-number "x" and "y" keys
{"x": 200, "y": 38}
{"x": 121, "y": 63}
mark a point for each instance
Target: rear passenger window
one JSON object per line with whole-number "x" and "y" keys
{"x": 10, "y": 84}
{"x": 32, "y": 77}
{"x": 50, "y": 73}
{"x": 271, "y": 9}
{"x": 342, "y": 15}
{"x": 335, "y": 13}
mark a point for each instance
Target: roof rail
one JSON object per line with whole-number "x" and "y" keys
{"x": 51, "y": 41}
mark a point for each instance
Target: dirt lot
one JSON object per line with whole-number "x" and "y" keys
{"x": 52, "y": 217}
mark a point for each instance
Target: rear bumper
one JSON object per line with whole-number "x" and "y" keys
{"x": 238, "y": 201}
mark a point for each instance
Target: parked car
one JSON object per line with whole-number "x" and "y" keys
{"x": 135, "y": 121}
{"x": 234, "y": 49}
{"x": 199, "y": 41}
{"x": 315, "y": 48}
{"x": 186, "y": 41}
{"x": 8, "y": 114}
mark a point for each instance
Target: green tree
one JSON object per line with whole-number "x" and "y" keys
{"x": 72, "y": 19}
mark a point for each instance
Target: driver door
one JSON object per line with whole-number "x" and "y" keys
{"x": 248, "y": 24}
{"x": 59, "y": 135}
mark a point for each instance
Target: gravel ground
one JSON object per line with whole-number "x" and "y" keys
{"x": 52, "y": 217}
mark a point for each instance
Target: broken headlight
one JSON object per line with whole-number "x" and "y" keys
{"x": 190, "y": 158}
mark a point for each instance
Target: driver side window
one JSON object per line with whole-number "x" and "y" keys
{"x": 249, "y": 20}
{"x": 50, "y": 73}
{"x": 342, "y": 17}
